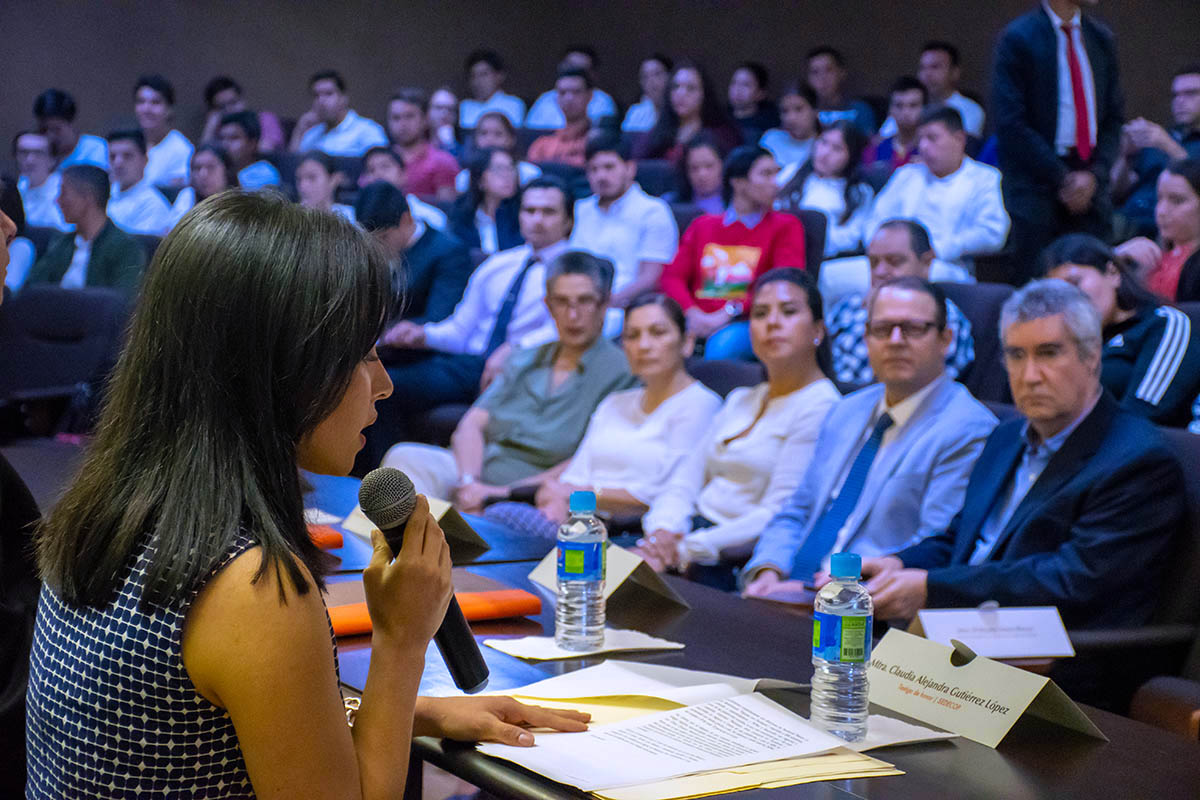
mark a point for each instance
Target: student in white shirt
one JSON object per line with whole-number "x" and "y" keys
{"x": 168, "y": 151}
{"x": 619, "y": 221}
{"x": 939, "y": 70}
{"x": 317, "y": 181}
{"x": 212, "y": 172}
{"x": 134, "y": 205}
{"x": 384, "y": 164}
{"x": 494, "y": 131}
{"x": 751, "y": 458}
{"x": 654, "y": 75}
{"x": 38, "y": 182}
{"x": 829, "y": 183}
{"x": 792, "y": 142}
{"x": 545, "y": 114}
{"x": 955, "y": 197}
{"x": 330, "y": 125}
{"x": 55, "y": 111}
{"x": 485, "y": 76}
{"x": 636, "y": 438}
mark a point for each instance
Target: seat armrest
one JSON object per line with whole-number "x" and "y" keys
{"x": 1110, "y": 639}
{"x": 1169, "y": 703}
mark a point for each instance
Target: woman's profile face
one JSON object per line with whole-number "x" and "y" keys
{"x": 315, "y": 185}
{"x": 1177, "y": 212}
{"x": 8, "y": 232}
{"x": 331, "y": 447}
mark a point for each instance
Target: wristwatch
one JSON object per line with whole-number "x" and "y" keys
{"x": 734, "y": 308}
{"x": 465, "y": 480}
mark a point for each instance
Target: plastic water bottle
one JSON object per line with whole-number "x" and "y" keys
{"x": 842, "y": 616}
{"x": 579, "y": 615}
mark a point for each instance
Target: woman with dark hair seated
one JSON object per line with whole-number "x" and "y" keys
{"x": 1151, "y": 356}
{"x": 701, "y": 176}
{"x": 1177, "y": 213}
{"x": 750, "y": 460}
{"x": 317, "y": 182}
{"x": 182, "y": 645}
{"x": 485, "y": 216}
{"x": 693, "y": 107}
{"x": 212, "y": 172}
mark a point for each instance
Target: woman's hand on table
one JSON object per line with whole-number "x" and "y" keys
{"x": 491, "y": 719}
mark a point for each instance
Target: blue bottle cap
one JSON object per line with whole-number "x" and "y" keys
{"x": 583, "y": 503}
{"x": 846, "y": 565}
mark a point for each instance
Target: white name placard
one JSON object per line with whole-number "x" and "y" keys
{"x": 1036, "y": 632}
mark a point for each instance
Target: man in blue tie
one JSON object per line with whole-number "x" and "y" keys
{"x": 892, "y": 459}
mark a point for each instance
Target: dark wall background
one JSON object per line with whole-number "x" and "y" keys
{"x": 96, "y": 49}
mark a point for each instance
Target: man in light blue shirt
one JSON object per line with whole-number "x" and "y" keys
{"x": 545, "y": 114}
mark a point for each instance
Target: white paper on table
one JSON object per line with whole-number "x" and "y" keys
{"x": 543, "y": 648}
{"x": 315, "y": 516}
{"x": 887, "y": 731}
{"x": 720, "y": 734}
{"x": 612, "y": 678}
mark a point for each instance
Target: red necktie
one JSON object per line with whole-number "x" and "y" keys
{"x": 1083, "y": 130}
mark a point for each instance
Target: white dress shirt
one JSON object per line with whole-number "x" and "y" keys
{"x": 21, "y": 255}
{"x": 741, "y": 484}
{"x": 640, "y": 117}
{"x": 184, "y": 202}
{"x": 545, "y": 114}
{"x": 786, "y": 149}
{"x": 469, "y": 328}
{"x": 88, "y": 150}
{"x": 971, "y": 112}
{"x": 964, "y": 211}
{"x": 140, "y": 209}
{"x": 626, "y": 448}
{"x": 634, "y": 228}
{"x": 169, "y": 163}
{"x": 76, "y": 275}
{"x": 431, "y": 215}
{"x": 469, "y": 110}
{"x": 353, "y": 136}
{"x": 40, "y": 202}
{"x": 828, "y": 195}
{"x": 1064, "y": 134}
{"x": 345, "y": 211}
{"x": 489, "y": 239}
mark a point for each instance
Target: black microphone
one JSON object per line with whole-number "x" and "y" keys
{"x": 388, "y": 498}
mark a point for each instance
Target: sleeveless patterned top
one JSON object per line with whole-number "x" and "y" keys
{"x": 112, "y": 712}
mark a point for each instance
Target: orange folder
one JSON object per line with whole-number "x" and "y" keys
{"x": 325, "y": 537}
{"x": 352, "y": 619}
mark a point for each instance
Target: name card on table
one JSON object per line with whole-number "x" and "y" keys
{"x": 981, "y": 699}
{"x": 998, "y": 632}
{"x": 465, "y": 544}
{"x": 628, "y": 581}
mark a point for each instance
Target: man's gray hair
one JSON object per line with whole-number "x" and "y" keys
{"x": 1050, "y": 296}
{"x": 577, "y": 262}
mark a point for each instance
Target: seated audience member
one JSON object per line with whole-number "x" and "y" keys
{"x": 38, "y": 182}
{"x": 502, "y": 310}
{"x": 330, "y": 125}
{"x": 825, "y": 70}
{"x": 654, "y": 73}
{"x": 21, "y": 252}
{"x": 1072, "y": 506}
{"x": 938, "y": 71}
{"x": 443, "y": 119}
{"x": 954, "y": 196}
{"x": 635, "y": 437}
{"x": 222, "y": 97}
{"x": 239, "y": 134}
{"x": 1151, "y": 357}
{"x": 1177, "y": 275}
{"x": 906, "y": 104}
{"x": 720, "y": 256}
{"x": 900, "y": 248}
{"x": 830, "y": 183}
{"x": 485, "y": 216}
{"x": 693, "y": 107}
{"x": 495, "y": 131}
{"x": 750, "y": 104}
{"x": 701, "y": 176}
{"x": 429, "y": 170}
{"x": 530, "y": 420}
{"x": 98, "y": 253}
{"x": 792, "y": 142}
{"x": 384, "y": 164}
{"x": 750, "y": 459}
{"x": 573, "y": 88}
{"x": 546, "y": 114}
{"x": 1147, "y": 148}
{"x": 317, "y": 181}
{"x": 168, "y": 152}
{"x": 485, "y": 77}
{"x": 212, "y": 172}
{"x": 622, "y": 223}
{"x": 55, "y": 111}
{"x": 895, "y": 456}
{"x": 429, "y": 268}
{"x": 134, "y": 204}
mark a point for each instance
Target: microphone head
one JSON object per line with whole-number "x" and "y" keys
{"x": 387, "y": 497}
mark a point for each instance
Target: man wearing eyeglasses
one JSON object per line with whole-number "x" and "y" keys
{"x": 893, "y": 458}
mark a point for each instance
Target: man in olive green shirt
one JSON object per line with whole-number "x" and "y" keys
{"x": 529, "y": 421}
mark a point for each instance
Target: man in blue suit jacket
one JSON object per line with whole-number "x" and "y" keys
{"x": 905, "y": 485}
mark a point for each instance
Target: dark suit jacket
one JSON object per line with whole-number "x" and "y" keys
{"x": 1189, "y": 281}
{"x": 1091, "y": 537}
{"x": 116, "y": 261}
{"x": 1025, "y": 103}
{"x": 436, "y": 269}
{"x": 462, "y": 224}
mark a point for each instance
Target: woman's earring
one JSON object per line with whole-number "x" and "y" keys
{"x": 817, "y": 342}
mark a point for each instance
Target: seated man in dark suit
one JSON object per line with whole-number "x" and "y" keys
{"x": 429, "y": 268}
{"x": 1073, "y": 506}
{"x": 97, "y": 253}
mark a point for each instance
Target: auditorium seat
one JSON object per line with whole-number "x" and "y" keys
{"x": 575, "y": 177}
{"x": 526, "y": 137}
{"x": 1193, "y": 312}
{"x": 350, "y": 167}
{"x": 40, "y": 237}
{"x": 685, "y": 215}
{"x": 815, "y": 223}
{"x": 725, "y": 375}
{"x": 981, "y": 303}
{"x": 170, "y": 192}
{"x": 656, "y": 176}
{"x": 149, "y": 243}
{"x": 286, "y": 162}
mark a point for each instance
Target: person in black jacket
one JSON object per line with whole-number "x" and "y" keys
{"x": 485, "y": 216}
{"x": 1151, "y": 356}
{"x": 1056, "y": 154}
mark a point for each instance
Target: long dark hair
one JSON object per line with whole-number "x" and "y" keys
{"x": 478, "y": 164}
{"x": 1088, "y": 251}
{"x": 712, "y": 112}
{"x": 686, "y": 193}
{"x": 855, "y": 193}
{"x": 812, "y": 296}
{"x": 253, "y": 317}
{"x": 231, "y": 179}
{"x": 1189, "y": 170}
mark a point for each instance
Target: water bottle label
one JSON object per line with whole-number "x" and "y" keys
{"x": 581, "y": 561}
{"x": 837, "y": 638}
